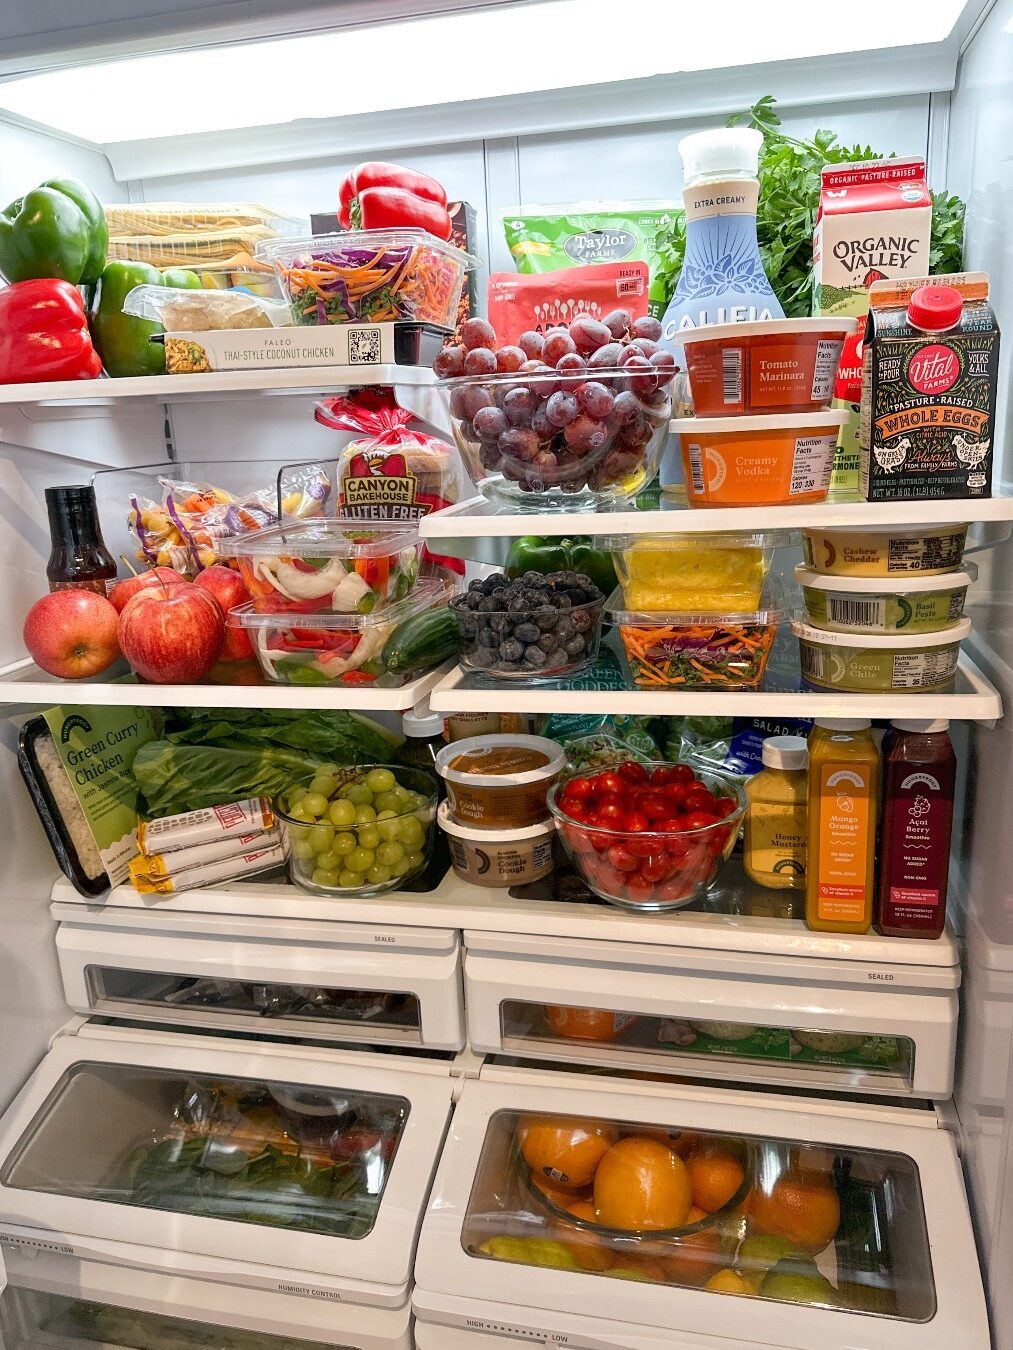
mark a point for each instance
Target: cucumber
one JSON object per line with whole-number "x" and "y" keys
{"x": 421, "y": 642}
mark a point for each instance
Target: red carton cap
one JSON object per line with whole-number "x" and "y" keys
{"x": 935, "y": 307}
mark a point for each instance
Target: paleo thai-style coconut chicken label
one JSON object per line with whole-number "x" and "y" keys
{"x": 929, "y": 389}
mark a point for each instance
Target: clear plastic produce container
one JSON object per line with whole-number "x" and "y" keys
{"x": 517, "y": 455}
{"x": 885, "y": 550}
{"x": 679, "y": 650}
{"x": 777, "y": 366}
{"x": 373, "y": 833}
{"x": 331, "y": 650}
{"x": 880, "y": 663}
{"x": 780, "y": 460}
{"x": 326, "y": 566}
{"x": 530, "y": 645}
{"x": 694, "y": 574}
{"x": 916, "y": 604}
{"x": 370, "y": 276}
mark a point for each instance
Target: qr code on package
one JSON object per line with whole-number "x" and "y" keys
{"x": 364, "y": 347}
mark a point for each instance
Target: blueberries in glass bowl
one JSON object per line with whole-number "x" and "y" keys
{"x": 534, "y": 627}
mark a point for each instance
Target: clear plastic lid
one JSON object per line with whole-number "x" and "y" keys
{"x": 284, "y": 253}
{"x": 139, "y": 218}
{"x": 204, "y": 311}
{"x": 824, "y": 637}
{"x": 333, "y": 538}
{"x": 620, "y": 543}
{"x": 615, "y": 607}
{"x": 424, "y": 595}
{"x": 893, "y": 585}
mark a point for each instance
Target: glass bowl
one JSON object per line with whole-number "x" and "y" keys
{"x": 518, "y": 451}
{"x": 651, "y": 870}
{"x": 361, "y": 857}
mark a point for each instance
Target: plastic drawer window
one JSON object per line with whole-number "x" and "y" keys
{"x": 760, "y": 1217}
{"x": 284, "y": 1155}
{"x": 192, "y": 998}
{"x": 840, "y": 1059}
{"x": 31, "y": 1320}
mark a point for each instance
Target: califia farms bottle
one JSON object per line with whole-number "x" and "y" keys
{"x": 722, "y": 278}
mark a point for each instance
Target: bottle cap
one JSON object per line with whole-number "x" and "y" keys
{"x": 925, "y": 725}
{"x": 785, "y": 752}
{"x": 730, "y": 151}
{"x": 843, "y": 723}
{"x": 421, "y": 724}
{"x": 935, "y": 307}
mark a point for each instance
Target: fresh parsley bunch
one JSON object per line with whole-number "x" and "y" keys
{"x": 789, "y": 173}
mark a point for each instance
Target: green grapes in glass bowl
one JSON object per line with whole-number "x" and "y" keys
{"x": 357, "y": 831}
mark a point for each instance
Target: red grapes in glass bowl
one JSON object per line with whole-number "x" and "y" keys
{"x": 648, "y": 836}
{"x": 569, "y": 419}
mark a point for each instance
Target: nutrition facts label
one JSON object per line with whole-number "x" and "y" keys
{"x": 811, "y": 465}
{"x": 923, "y": 670}
{"x": 824, "y": 370}
{"x": 934, "y": 552}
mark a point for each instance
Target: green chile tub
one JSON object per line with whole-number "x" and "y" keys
{"x": 914, "y": 604}
{"x": 879, "y": 663}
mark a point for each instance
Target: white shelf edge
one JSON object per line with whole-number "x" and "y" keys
{"x": 980, "y": 703}
{"x": 47, "y": 692}
{"x": 175, "y": 388}
{"x": 478, "y": 519}
{"x": 460, "y": 905}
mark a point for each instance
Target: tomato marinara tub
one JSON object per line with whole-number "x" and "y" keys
{"x": 783, "y": 365}
{"x": 759, "y": 461}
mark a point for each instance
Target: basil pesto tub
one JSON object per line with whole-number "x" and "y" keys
{"x": 913, "y": 604}
{"x": 879, "y": 663}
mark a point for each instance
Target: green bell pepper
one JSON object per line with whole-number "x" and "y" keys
{"x": 121, "y": 340}
{"x": 546, "y": 553}
{"x": 56, "y": 230}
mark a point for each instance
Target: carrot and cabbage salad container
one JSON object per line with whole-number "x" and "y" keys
{"x": 370, "y": 276}
{"x": 777, "y": 366}
{"x": 673, "y": 650}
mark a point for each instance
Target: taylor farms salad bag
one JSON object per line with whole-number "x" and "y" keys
{"x": 519, "y": 303}
{"x": 546, "y": 238}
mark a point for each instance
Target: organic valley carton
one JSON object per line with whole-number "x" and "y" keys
{"x": 874, "y": 223}
{"x": 931, "y": 373}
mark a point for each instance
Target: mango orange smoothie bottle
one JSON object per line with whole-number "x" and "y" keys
{"x": 843, "y": 798}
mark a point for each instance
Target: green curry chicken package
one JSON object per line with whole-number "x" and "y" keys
{"x": 550, "y": 238}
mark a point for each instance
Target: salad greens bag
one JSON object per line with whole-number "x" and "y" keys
{"x": 549, "y": 238}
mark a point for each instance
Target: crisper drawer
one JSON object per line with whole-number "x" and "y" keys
{"x": 733, "y": 1218}
{"x": 291, "y": 1170}
{"x": 755, "y": 1017}
{"x": 57, "y": 1302}
{"x": 336, "y": 982}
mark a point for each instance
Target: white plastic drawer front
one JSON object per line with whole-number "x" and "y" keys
{"x": 736, "y": 1218}
{"x": 396, "y": 986}
{"x": 674, "y": 1012}
{"x": 57, "y": 1301}
{"x": 301, "y": 1174}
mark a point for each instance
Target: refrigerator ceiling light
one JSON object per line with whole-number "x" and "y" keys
{"x": 514, "y": 49}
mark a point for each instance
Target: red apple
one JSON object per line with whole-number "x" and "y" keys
{"x": 129, "y": 586}
{"x": 230, "y": 590}
{"x": 172, "y": 636}
{"x": 72, "y": 634}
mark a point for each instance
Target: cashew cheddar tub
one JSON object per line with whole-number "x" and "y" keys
{"x": 884, "y": 550}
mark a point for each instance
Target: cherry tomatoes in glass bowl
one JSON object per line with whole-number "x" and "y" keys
{"x": 664, "y": 847}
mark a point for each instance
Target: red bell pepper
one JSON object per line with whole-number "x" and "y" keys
{"x": 378, "y": 196}
{"x": 44, "y": 333}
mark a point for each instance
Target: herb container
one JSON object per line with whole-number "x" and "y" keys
{"x": 332, "y": 651}
{"x": 675, "y": 650}
{"x": 370, "y": 276}
{"x": 326, "y": 566}
{"x": 916, "y": 604}
{"x": 877, "y": 663}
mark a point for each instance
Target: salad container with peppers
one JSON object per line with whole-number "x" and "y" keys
{"x": 328, "y": 649}
{"x": 337, "y": 567}
{"x": 370, "y": 276}
{"x": 673, "y": 650}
